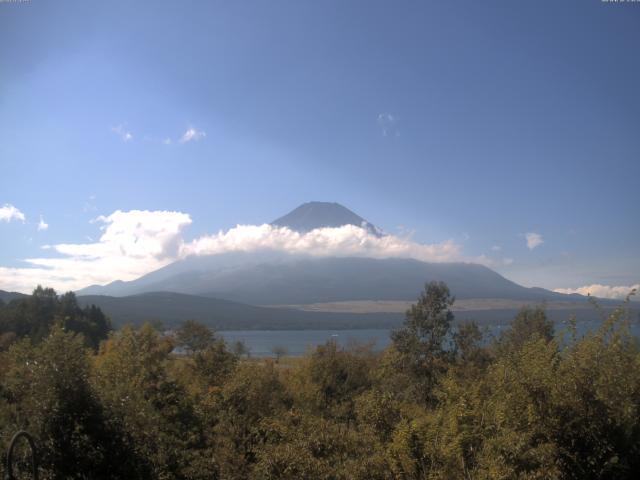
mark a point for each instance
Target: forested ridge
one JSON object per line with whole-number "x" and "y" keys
{"x": 441, "y": 402}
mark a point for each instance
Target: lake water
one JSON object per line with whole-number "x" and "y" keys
{"x": 297, "y": 342}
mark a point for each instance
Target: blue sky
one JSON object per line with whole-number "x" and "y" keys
{"x": 470, "y": 122}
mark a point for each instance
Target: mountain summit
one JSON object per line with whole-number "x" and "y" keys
{"x": 312, "y": 215}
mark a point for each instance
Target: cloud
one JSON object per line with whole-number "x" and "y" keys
{"x": 388, "y": 124}
{"x": 192, "y": 135}
{"x": 8, "y": 213}
{"x": 90, "y": 204}
{"x": 132, "y": 244}
{"x": 124, "y": 134}
{"x": 137, "y": 242}
{"x": 533, "y": 240}
{"x": 491, "y": 262}
{"x": 601, "y": 291}
{"x": 347, "y": 240}
{"x": 496, "y": 248}
{"x": 42, "y": 225}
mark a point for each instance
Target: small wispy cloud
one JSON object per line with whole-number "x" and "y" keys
{"x": 192, "y": 134}
{"x": 90, "y": 204}
{"x": 490, "y": 261}
{"x": 388, "y": 124}
{"x": 122, "y": 132}
{"x": 496, "y": 248}
{"x": 533, "y": 240}
{"x": 42, "y": 225}
{"x": 8, "y": 213}
{"x": 601, "y": 291}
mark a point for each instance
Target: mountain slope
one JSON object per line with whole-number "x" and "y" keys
{"x": 253, "y": 279}
{"x": 312, "y": 215}
{"x": 267, "y": 277}
{"x": 8, "y": 296}
{"x": 173, "y": 308}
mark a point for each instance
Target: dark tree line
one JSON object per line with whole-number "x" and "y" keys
{"x": 33, "y": 317}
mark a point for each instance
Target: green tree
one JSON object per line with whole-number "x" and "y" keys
{"x": 251, "y": 394}
{"x": 297, "y": 445}
{"x": 240, "y": 348}
{"x": 90, "y": 321}
{"x": 530, "y": 323}
{"x": 420, "y": 343}
{"x": 35, "y": 315}
{"x": 48, "y": 386}
{"x": 214, "y": 364}
{"x": 157, "y": 416}
{"x": 468, "y": 347}
{"x": 331, "y": 378}
{"x": 194, "y": 337}
{"x": 279, "y": 351}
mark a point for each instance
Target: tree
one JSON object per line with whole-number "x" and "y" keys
{"x": 332, "y": 377}
{"x": 49, "y": 387}
{"x": 279, "y": 351}
{"x": 420, "y": 342}
{"x": 240, "y": 348}
{"x": 34, "y": 316}
{"x": 467, "y": 342}
{"x": 90, "y": 321}
{"x": 194, "y": 337}
{"x": 529, "y": 324}
{"x": 214, "y": 364}
{"x": 154, "y": 411}
{"x": 250, "y": 395}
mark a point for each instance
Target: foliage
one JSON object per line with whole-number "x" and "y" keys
{"x": 47, "y": 391}
{"x": 442, "y": 402}
{"x": 194, "y": 337}
{"x": 34, "y": 316}
{"x": 420, "y": 343}
{"x": 153, "y": 410}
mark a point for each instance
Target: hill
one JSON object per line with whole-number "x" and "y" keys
{"x": 8, "y": 296}
{"x": 173, "y": 308}
{"x": 260, "y": 280}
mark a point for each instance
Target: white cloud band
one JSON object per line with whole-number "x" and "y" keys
{"x": 601, "y": 291}
{"x": 347, "y": 240}
{"x": 137, "y": 242}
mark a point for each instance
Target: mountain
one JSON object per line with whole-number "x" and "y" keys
{"x": 6, "y": 297}
{"x": 252, "y": 279}
{"x": 173, "y": 308}
{"x": 279, "y": 278}
{"x": 312, "y": 215}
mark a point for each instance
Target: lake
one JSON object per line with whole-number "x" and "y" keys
{"x": 298, "y": 342}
